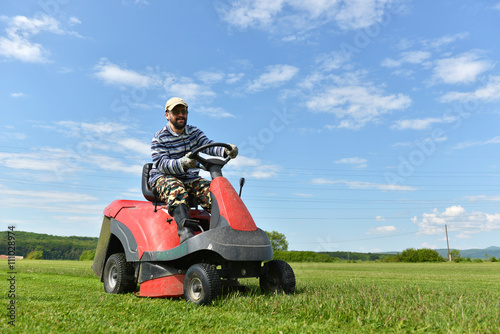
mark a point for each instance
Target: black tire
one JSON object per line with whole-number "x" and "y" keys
{"x": 202, "y": 284}
{"x": 277, "y": 277}
{"x": 119, "y": 275}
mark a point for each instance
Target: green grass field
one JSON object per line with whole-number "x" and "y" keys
{"x": 66, "y": 297}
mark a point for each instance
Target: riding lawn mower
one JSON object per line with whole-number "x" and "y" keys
{"x": 139, "y": 244}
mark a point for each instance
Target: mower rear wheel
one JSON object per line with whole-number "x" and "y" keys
{"x": 277, "y": 276}
{"x": 202, "y": 284}
{"x": 118, "y": 276}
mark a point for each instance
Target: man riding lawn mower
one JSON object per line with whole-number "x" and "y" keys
{"x": 204, "y": 249}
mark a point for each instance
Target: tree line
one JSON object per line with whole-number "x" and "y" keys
{"x": 48, "y": 247}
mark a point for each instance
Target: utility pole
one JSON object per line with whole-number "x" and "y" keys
{"x": 447, "y": 242}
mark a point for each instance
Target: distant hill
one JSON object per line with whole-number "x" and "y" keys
{"x": 464, "y": 253}
{"x": 53, "y": 247}
{"x": 474, "y": 253}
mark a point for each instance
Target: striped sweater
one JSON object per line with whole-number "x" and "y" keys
{"x": 167, "y": 147}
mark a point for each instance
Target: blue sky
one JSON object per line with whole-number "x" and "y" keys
{"x": 362, "y": 125}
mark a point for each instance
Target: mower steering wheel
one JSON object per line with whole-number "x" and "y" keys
{"x": 205, "y": 162}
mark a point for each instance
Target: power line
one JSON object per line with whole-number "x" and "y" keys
{"x": 365, "y": 218}
{"x": 361, "y": 208}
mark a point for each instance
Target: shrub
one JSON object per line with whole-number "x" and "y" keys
{"x": 87, "y": 255}
{"x": 416, "y": 255}
{"x": 295, "y": 256}
{"x": 35, "y": 255}
{"x": 455, "y": 255}
{"x": 392, "y": 258}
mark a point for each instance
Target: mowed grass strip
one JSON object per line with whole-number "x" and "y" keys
{"x": 66, "y": 297}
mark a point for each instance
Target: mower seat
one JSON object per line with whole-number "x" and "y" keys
{"x": 151, "y": 194}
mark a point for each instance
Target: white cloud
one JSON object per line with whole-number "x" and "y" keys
{"x": 382, "y": 230}
{"x": 289, "y": 16}
{"x": 115, "y": 75}
{"x": 264, "y": 171}
{"x": 490, "y": 91}
{"x": 65, "y": 70}
{"x": 244, "y": 161}
{"x": 105, "y": 136}
{"x": 109, "y": 163}
{"x": 42, "y": 160}
{"x": 17, "y": 42}
{"x": 60, "y": 202}
{"x": 453, "y": 211}
{"x": 445, "y": 40}
{"x": 8, "y": 136}
{"x": 100, "y": 128}
{"x": 355, "y": 161}
{"x": 358, "y": 14}
{"x": 210, "y": 77}
{"x": 214, "y": 112}
{"x": 17, "y": 95}
{"x": 428, "y": 246}
{"x": 103, "y": 146}
{"x": 188, "y": 89}
{"x": 232, "y": 78}
{"x": 303, "y": 195}
{"x": 358, "y": 162}
{"x": 464, "y": 68}
{"x": 136, "y": 145}
{"x": 198, "y": 91}
{"x": 58, "y": 163}
{"x": 356, "y": 105}
{"x": 420, "y": 124}
{"x": 457, "y": 220}
{"x": 467, "y": 144}
{"x": 483, "y": 198}
{"x": 365, "y": 185}
{"x": 251, "y": 167}
{"x": 275, "y": 75}
{"x": 87, "y": 131}
{"x": 247, "y": 13}
{"x": 22, "y": 49}
{"x": 26, "y": 27}
{"x": 410, "y": 57}
{"x": 73, "y": 20}
{"x": 332, "y": 61}
{"x": 48, "y": 196}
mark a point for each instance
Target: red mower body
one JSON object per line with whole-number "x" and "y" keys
{"x": 231, "y": 206}
{"x": 153, "y": 230}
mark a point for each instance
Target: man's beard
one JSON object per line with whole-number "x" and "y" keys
{"x": 178, "y": 126}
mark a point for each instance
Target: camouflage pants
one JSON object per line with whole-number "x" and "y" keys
{"x": 173, "y": 191}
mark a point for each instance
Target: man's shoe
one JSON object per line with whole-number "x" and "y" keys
{"x": 181, "y": 215}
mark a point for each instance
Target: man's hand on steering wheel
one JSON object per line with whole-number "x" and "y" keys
{"x": 206, "y": 161}
{"x": 233, "y": 152}
{"x": 187, "y": 162}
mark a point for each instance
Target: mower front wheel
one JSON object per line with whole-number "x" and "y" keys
{"x": 277, "y": 276}
{"x": 202, "y": 284}
{"x": 118, "y": 276}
